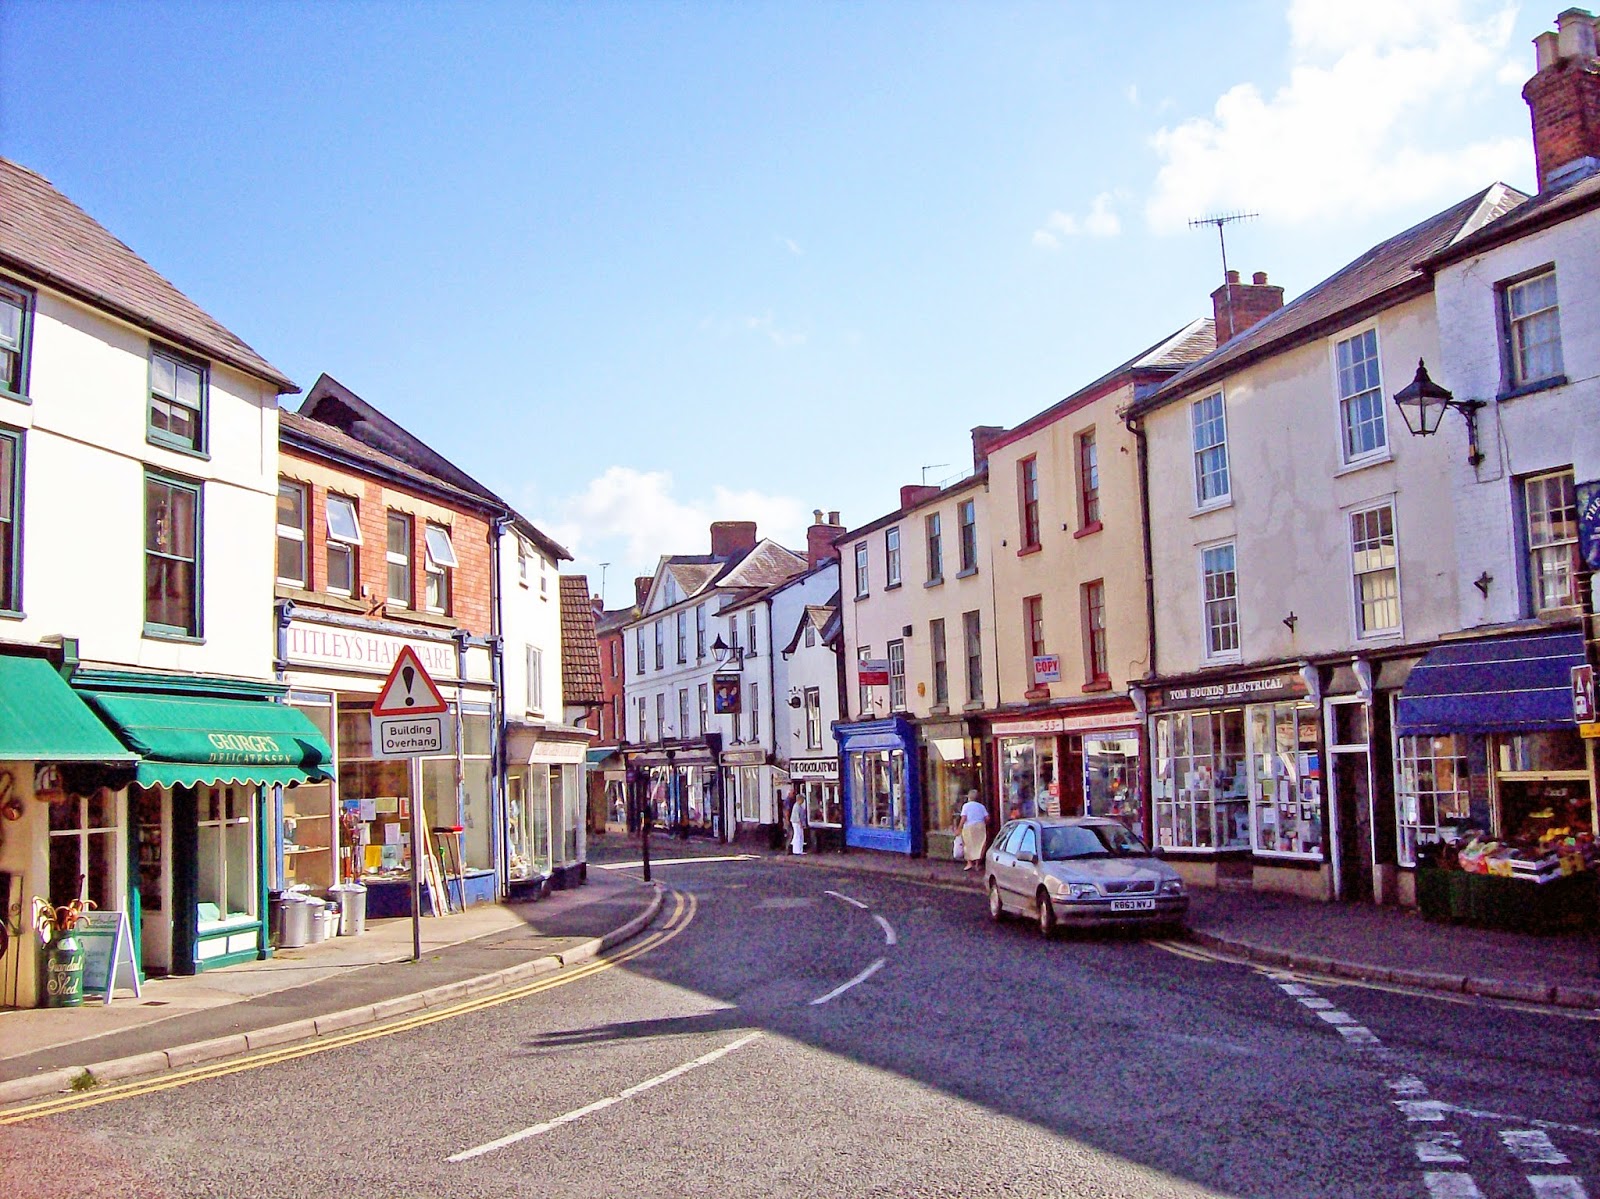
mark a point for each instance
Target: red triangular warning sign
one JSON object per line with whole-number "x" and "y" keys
{"x": 408, "y": 691}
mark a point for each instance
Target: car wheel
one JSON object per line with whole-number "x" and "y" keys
{"x": 1047, "y": 915}
{"x": 997, "y": 910}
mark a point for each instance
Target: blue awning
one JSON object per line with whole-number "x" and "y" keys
{"x": 1516, "y": 684}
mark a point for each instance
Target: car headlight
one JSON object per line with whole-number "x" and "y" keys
{"x": 1172, "y": 886}
{"x": 1082, "y": 891}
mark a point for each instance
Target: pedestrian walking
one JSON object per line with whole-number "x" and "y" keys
{"x": 797, "y": 823}
{"x": 974, "y": 831}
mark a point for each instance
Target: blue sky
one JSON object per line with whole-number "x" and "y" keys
{"x": 641, "y": 266}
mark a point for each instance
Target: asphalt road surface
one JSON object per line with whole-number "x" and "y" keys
{"x": 787, "y": 1030}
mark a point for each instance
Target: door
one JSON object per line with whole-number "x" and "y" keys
{"x": 1352, "y": 798}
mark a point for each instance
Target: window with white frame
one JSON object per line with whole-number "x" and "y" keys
{"x": 644, "y": 724}
{"x": 1375, "y": 571}
{"x": 967, "y": 518}
{"x": 535, "y": 679}
{"x": 1553, "y": 564}
{"x": 1209, "y": 426}
{"x": 225, "y": 846}
{"x": 863, "y": 694}
{"x": 683, "y": 712}
{"x": 661, "y": 715}
{"x": 1361, "y": 419}
{"x": 661, "y": 645}
{"x": 439, "y": 564}
{"x": 1533, "y": 328}
{"x": 755, "y": 712}
{"x": 399, "y": 559}
{"x": 683, "y": 636}
{"x": 291, "y": 533}
{"x": 522, "y": 562}
{"x": 700, "y": 631}
{"x": 813, "y": 706}
{"x": 861, "y": 569}
{"x": 343, "y": 536}
{"x": 972, "y": 650}
{"x": 750, "y": 628}
{"x": 638, "y": 650}
{"x": 704, "y": 700}
{"x": 1220, "y": 586}
{"x": 940, "y": 661}
{"x": 1430, "y": 791}
{"x": 935, "y": 548}
{"x": 897, "y": 676}
{"x": 891, "y": 557}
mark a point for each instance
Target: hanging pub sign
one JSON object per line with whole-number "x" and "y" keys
{"x": 873, "y": 672}
{"x": 725, "y": 694}
{"x": 1589, "y": 523}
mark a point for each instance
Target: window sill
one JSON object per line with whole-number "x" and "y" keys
{"x": 418, "y": 617}
{"x": 1530, "y": 388}
{"x": 939, "y": 582}
{"x": 1228, "y": 659}
{"x": 1214, "y": 506}
{"x": 1027, "y": 550}
{"x": 20, "y": 397}
{"x": 1087, "y": 529}
{"x": 177, "y": 447}
{"x": 1097, "y": 685}
{"x": 968, "y": 573}
{"x": 12, "y": 614}
{"x": 973, "y": 706}
{"x": 939, "y": 710}
{"x": 1356, "y": 465}
{"x": 891, "y": 586}
{"x": 155, "y": 633}
{"x": 861, "y": 595}
{"x": 1037, "y": 692}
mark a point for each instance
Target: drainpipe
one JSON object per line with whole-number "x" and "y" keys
{"x": 772, "y": 707}
{"x": 497, "y": 725}
{"x": 1134, "y": 427}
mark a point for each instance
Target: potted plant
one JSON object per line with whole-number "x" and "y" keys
{"x": 63, "y": 952}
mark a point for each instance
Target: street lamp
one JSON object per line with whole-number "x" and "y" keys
{"x": 724, "y": 651}
{"x": 1422, "y": 403}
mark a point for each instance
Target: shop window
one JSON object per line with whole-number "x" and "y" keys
{"x": 1110, "y": 770}
{"x": 967, "y": 515}
{"x": 897, "y": 676}
{"x": 1088, "y": 481}
{"x": 1201, "y": 782}
{"x": 10, "y": 520}
{"x": 813, "y": 706}
{"x": 683, "y": 637}
{"x": 177, "y": 415}
{"x": 226, "y": 850}
{"x": 1209, "y": 428}
{"x": 1361, "y": 418}
{"x": 878, "y": 789}
{"x": 1376, "y": 571}
{"x": 85, "y": 855}
{"x": 822, "y": 803}
{"x": 1287, "y": 784}
{"x": 1533, "y": 327}
{"x": 935, "y": 548}
{"x": 399, "y": 559}
{"x": 951, "y": 777}
{"x": 891, "y": 557}
{"x": 749, "y": 792}
{"x": 292, "y": 534}
{"x": 171, "y": 557}
{"x": 1553, "y": 564}
{"x": 1221, "y": 600}
{"x": 535, "y": 679}
{"x": 1028, "y": 785}
{"x": 1028, "y": 502}
{"x": 16, "y": 326}
{"x": 1096, "y": 663}
{"x": 1431, "y": 797}
{"x": 344, "y": 536}
{"x": 972, "y": 646}
{"x": 1542, "y": 782}
{"x": 439, "y": 565}
{"x": 941, "y": 665}
{"x": 861, "y": 569}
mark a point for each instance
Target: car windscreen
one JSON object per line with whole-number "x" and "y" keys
{"x": 1064, "y": 842}
{"x": 1120, "y": 841}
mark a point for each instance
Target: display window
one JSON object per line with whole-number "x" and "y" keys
{"x": 878, "y": 793}
{"x": 950, "y": 778}
{"x": 307, "y": 813}
{"x": 1431, "y": 797}
{"x": 822, "y": 803}
{"x": 1028, "y": 786}
{"x": 749, "y": 793}
{"x": 1110, "y": 778}
{"x": 86, "y": 850}
{"x": 226, "y": 850}
{"x": 1286, "y": 788}
{"x": 1201, "y": 782}
{"x": 528, "y": 823}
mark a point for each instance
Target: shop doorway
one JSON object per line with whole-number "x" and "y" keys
{"x": 1352, "y": 798}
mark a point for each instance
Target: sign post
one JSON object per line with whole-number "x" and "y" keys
{"x": 408, "y": 721}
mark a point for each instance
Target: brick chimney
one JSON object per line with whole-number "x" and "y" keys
{"x": 731, "y": 538}
{"x": 1564, "y": 100}
{"x": 1237, "y": 306}
{"x": 913, "y": 494}
{"x": 819, "y": 539}
{"x": 641, "y": 590}
{"x": 982, "y": 435}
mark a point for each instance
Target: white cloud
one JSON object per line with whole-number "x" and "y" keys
{"x": 766, "y": 325}
{"x": 792, "y": 246}
{"x": 1336, "y": 138}
{"x": 1100, "y": 221}
{"x": 634, "y": 516}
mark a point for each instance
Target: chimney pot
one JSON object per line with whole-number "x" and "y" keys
{"x": 833, "y": 518}
{"x": 1564, "y": 100}
{"x": 816, "y": 516}
{"x": 1237, "y": 306}
{"x": 819, "y": 540}
{"x": 1233, "y": 276}
{"x": 1575, "y": 34}
{"x": 1259, "y": 278}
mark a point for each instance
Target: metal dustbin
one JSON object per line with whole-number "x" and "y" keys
{"x": 296, "y": 930}
{"x": 352, "y": 899}
{"x": 316, "y": 919}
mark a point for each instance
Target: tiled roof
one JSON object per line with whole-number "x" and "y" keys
{"x": 1383, "y": 276}
{"x": 694, "y": 574}
{"x": 613, "y": 620}
{"x": 1545, "y": 209}
{"x": 48, "y": 238}
{"x": 580, "y": 653}
{"x": 815, "y": 616}
{"x": 292, "y": 427}
{"x": 769, "y": 563}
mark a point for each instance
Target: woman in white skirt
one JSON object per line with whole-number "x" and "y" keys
{"x": 797, "y": 824}
{"x": 974, "y": 831}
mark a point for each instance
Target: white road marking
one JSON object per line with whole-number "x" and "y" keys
{"x": 1421, "y": 1110}
{"x": 1296, "y": 989}
{"x": 1441, "y": 1148}
{"x": 737, "y": 857}
{"x": 855, "y": 903}
{"x": 1316, "y": 1003}
{"x": 1556, "y": 1186}
{"x": 1408, "y": 1086}
{"x": 1358, "y": 1034}
{"x": 1503, "y": 1118}
{"x": 888, "y": 929}
{"x": 1533, "y": 1146}
{"x": 601, "y": 1104}
{"x": 1336, "y": 1017}
{"x": 1445, "y": 1184}
{"x": 841, "y": 989}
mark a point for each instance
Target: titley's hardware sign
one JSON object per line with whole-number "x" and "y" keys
{"x": 363, "y": 652}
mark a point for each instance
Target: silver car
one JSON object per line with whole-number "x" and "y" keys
{"x": 1085, "y": 870}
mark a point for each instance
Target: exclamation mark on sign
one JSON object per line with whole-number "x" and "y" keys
{"x": 408, "y": 677}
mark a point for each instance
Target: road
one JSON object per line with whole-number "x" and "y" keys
{"x": 796, "y": 1030}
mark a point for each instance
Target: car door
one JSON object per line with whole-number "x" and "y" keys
{"x": 1025, "y": 865}
{"x": 1000, "y": 859}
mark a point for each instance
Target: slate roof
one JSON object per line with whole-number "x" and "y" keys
{"x": 580, "y": 652}
{"x": 50, "y": 240}
{"x": 1546, "y": 209}
{"x": 1385, "y": 275}
{"x": 294, "y": 428}
{"x": 765, "y": 566}
{"x": 614, "y": 620}
{"x": 817, "y": 617}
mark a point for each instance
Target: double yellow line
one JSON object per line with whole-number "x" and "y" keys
{"x": 681, "y": 915}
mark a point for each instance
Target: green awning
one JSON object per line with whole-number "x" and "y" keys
{"x": 43, "y": 720}
{"x": 187, "y": 741}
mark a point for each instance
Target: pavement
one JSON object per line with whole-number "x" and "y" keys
{"x": 298, "y": 994}
{"x": 1346, "y": 940}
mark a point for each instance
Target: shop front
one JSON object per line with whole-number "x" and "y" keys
{"x": 951, "y": 754}
{"x": 816, "y": 782}
{"x": 1079, "y": 764}
{"x": 545, "y": 807}
{"x": 747, "y": 783}
{"x": 1494, "y": 779}
{"x": 1237, "y": 781}
{"x": 682, "y": 784}
{"x": 358, "y": 828}
{"x": 882, "y": 801}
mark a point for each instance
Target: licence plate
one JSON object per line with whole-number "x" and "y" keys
{"x": 1133, "y": 905}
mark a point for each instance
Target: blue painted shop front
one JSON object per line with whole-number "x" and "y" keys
{"x": 882, "y": 790}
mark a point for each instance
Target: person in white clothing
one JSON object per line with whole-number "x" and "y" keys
{"x": 974, "y": 822}
{"x": 797, "y": 824}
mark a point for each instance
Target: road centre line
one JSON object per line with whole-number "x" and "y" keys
{"x": 589, "y": 1109}
{"x": 685, "y": 906}
{"x": 1449, "y": 1184}
{"x": 843, "y": 987}
{"x": 888, "y": 929}
{"x": 1533, "y": 1147}
{"x": 1556, "y": 1186}
{"x": 855, "y": 903}
{"x": 737, "y": 857}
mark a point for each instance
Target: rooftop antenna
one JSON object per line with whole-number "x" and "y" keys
{"x": 1219, "y": 220}
{"x": 932, "y": 466}
{"x": 603, "y": 566}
